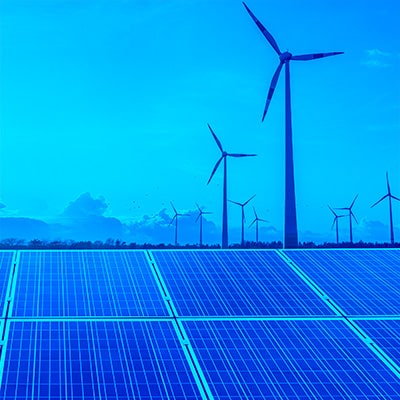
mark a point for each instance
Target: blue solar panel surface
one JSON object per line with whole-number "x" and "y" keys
{"x": 360, "y": 282}
{"x": 96, "y": 360}
{"x": 228, "y": 283}
{"x": 289, "y": 359}
{"x": 86, "y": 283}
{"x": 385, "y": 333}
{"x": 6, "y": 262}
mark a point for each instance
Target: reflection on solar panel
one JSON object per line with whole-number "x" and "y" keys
{"x": 86, "y": 283}
{"x": 209, "y": 283}
{"x": 289, "y": 359}
{"x": 386, "y": 334}
{"x": 360, "y": 282}
{"x": 6, "y": 261}
{"x": 96, "y": 360}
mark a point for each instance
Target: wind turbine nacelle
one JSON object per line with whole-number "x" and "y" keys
{"x": 286, "y": 56}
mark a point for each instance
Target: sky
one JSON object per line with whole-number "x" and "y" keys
{"x": 104, "y": 108}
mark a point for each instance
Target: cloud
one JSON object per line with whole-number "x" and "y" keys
{"x": 23, "y": 228}
{"x": 377, "y": 59}
{"x": 85, "y": 205}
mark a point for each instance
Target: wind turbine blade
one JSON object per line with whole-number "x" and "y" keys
{"x": 341, "y": 208}
{"x": 215, "y": 168}
{"x": 271, "y": 90}
{"x": 394, "y": 197}
{"x": 198, "y": 217}
{"x": 241, "y": 155}
{"x": 198, "y": 207}
{"x": 255, "y": 214}
{"x": 267, "y": 35}
{"x": 216, "y": 139}
{"x": 263, "y": 220}
{"x": 173, "y": 208}
{"x": 387, "y": 182}
{"x": 332, "y": 211}
{"x": 307, "y": 57}
{"x": 384, "y": 197}
{"x": 252, "y": 223}
{"x": 251, "y": 198}
{"x": 172, "y": 220}
{"x": 352, "y": 204}
{"x": 206, "y": 212}
{"x": 352, "y": 215}
{"x": 333, "y": 223}
{"x": 235, "y": 202}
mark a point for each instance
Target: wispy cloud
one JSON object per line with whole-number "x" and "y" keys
{"x": 376, "y": 58}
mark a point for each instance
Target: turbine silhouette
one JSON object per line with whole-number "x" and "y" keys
{"x": 223, "y": 157}
{"x": 243, "y": 216}
{"x": 290, "y": 236}
{"x": 200, "y": 216}
{"x": 351, "y": 215}
{"x": 175, "y": 217}
{"x": 336, "y": 222}
{"x": 256, "y": 220}
{"x": 390, "y": 196}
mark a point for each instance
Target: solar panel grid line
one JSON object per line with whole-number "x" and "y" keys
{"x": 361, "y": 282}
{"x": 8, "y": 263}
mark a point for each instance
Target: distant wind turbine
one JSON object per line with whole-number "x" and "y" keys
{"x": 390, "y": 196}
{"x": 336, "y": 222}
{"x": 351, "y": 215}
{"x": 223, "y": 157}
{"x": 256, "y": 220}
{"x": 290, "y": 237}
{"x": 243, "y": 205}
{"x": 176, "y": 222}
{"x": 200, "y": 217}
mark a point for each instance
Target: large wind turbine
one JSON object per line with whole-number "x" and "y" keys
{"x": 256, "y": 220}
{"x": 336, "y": 222}
{"x": 290, "y": 238}
{"x": 224, "y": 155}
{"x": 200, "y": 216}
{"x": 175, "y": 217}
{"x": 351, "y": 215}
{"x": 243, "y": 205}
{"x": 390, "y": 196}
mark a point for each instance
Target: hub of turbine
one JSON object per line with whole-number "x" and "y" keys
{"x": 286, "y": 56}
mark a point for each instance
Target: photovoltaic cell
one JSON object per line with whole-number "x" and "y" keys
{"x": 228, "y": 283}
{"x": 6, "y": 259}
{"x": 86, "y": 283}
{"x": 360, "y": 282}
{"x": 284, "y": 359}
{"x": 96, "y": 360}
{"x": 385, "y": 333}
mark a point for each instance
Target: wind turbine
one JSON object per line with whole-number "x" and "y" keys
{"x": 243, "y": 205}
{"x": 200, "y": 216}
{"x": 290, "y": 237}
{"x": 336, "y": 222}
{"x": 175, "y": 217}
{"x": 223, "y": 157}
{"x": 351, "y": 215}
{"x": 390, "y": 196}
{"x": 256, "y": 219}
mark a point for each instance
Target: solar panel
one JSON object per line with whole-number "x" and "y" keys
{"x": 96, "y": 360}
{"x": 289, "y": 359}
{"x": 6, "y": 263}
{"x": 220, "y": 283}
{"x": 360, "y": 282}
{"x": 86, "y": 283}
{"x": 386, "y": 334}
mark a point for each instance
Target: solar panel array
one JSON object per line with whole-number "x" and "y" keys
{"x": 183, "y": 324}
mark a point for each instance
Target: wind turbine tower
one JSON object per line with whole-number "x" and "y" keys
{"x": 242, "y": 205}
{"x": 390, "y": 196}
{"x": 223, "y": 157}
{"x": 351, "y": 216}
{"x": 256, "y": 220}
{"x": 175, "y": 217}
{"x": 290, "y": 235}
{"x": 200, "y": 217}
{"x": 336, "y": 222}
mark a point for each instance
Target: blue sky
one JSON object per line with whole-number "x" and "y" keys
{"x": 108, "y": 102}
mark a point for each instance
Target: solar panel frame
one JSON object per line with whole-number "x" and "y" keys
{"x": 87, "y": 284}
{"x": 360, "y": 282}
{"x": 288, "y": 359}
{"x": 96, "y": 359}
{"x": 235, "y": 283}
{"x": 7, "y": 258}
